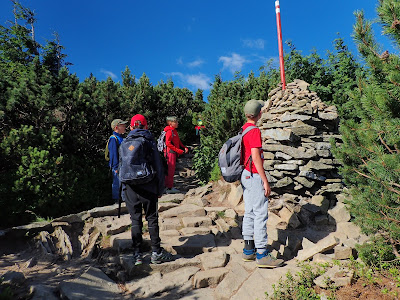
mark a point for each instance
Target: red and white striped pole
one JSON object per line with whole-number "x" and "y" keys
{"x": 281, "y": 60}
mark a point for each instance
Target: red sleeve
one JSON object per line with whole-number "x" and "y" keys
{"x": 168, "y": 143}
{"x": 253, "y": 137}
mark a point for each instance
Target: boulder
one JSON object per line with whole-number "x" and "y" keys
{"x": 213, "y": 260}
{"x": 236, "y": 195}
{"x": 209, "y": 277}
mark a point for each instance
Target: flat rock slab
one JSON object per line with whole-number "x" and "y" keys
{"x": 323, "y": 245}
{"x": 196, "y": 221}
{"x": 157, "y": 283}
{"x": 177, "y": 198}
{"x": 195, "y": 230}
{"x": 199, "y": 294}
{"x": 163, "y": 206}
{"x": 93, "y": 284}
{"x": 185, "y": 210}
{"x": 111, "y": 225}
{"x": 231, "y": 283}
{"x": 170, "y": 224}
{"x": 121, "y": 241}
{"x": 261, "y": 281}
{"x": 190, "y": 245}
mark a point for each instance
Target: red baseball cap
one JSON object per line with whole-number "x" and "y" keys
{"x": 139, "y": 118}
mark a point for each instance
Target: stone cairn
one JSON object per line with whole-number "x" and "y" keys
{"x": 307, "y": 220}
{"x": 297, "y": 129}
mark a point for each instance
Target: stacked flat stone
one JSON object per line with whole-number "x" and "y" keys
{"x": 296, "y": 129}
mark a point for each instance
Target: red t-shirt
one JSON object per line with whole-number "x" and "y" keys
{"x": 252, "y": 139}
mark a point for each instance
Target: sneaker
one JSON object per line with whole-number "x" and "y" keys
{"x": 138, "y": 258}
{"x": 172, "y": 191}
{"x": 267, "y": 260}
{"x": 163, "y": 256}
{"x": 249, "y": 255}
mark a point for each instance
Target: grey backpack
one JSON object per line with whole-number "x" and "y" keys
{"x": 229, "y": 157}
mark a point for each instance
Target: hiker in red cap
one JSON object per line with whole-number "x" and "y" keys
{"x": 142, "y": 196}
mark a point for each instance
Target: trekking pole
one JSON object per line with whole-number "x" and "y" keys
{"x": 280, "y": 46}
{"x": 119, "y": 200}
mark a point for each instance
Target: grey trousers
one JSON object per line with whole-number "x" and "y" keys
{"x": 255, "y": 209}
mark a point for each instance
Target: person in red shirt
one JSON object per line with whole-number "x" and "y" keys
{"x": 174, "y": 147}
{"x": 256, "y": 190}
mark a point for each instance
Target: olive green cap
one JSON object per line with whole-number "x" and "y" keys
{"x": 253, "y": 107}
{"x": 117, "y": 122}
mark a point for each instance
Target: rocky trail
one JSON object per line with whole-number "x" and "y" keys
{"x": 88, "y": 255}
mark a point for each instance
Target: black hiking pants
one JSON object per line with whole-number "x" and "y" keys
{"x": 136, "y": 200}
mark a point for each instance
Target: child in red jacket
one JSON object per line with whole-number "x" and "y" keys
{"x": 173, "y": 149}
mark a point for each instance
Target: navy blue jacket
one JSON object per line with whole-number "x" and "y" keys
{"x": 156, "y": 186}
{"x": 113, "y": 146}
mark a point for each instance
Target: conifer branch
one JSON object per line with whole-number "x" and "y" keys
{"x": 389, "y": 219}
{"x": 383, "y": 142}
{"x": 395, "y": 252}
{"x": 394, "y": 82}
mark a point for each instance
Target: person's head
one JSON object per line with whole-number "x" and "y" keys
{"x": 119, "y": 126}
{"x": 172, "y": 121}
{"x": 253, "y": 109}
{"x": 138, "y": 122}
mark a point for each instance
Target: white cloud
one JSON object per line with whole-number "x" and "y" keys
{"x": 233, "y": 63}
{"x": 109, "y": 74}
{"x": 198, "y": 81}
{"x": 195, "y": 63}
{"x": 251, "y": 43}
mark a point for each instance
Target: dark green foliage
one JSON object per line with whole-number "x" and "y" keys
{"x": 54, "y": 128}
{"x": 378, "y": 253}
{"x": 371, "y": 139}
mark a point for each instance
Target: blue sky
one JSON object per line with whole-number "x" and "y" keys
{"x": 187, "y": 41}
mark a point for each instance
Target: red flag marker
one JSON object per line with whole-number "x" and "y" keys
{"x": 279, "y": 27}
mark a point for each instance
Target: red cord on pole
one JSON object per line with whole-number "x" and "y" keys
{"x": 281, "y": 60}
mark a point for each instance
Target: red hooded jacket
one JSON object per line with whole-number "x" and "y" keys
{"x": 172, "y": 140}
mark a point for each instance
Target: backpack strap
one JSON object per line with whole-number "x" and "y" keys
{"x": 247, "y": 130}
{"x": 107, "y": 158}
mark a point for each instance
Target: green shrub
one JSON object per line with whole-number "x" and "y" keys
{"x": 299, "y": 286}
{"x": 215, "y": 172}
{"x": 377, "y": 253}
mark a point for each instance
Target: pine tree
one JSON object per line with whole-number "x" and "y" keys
{"x": 371, "y": 138}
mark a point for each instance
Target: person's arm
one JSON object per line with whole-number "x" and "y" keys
{"x": 113, "y": 153}
{"x": 258, "y": 163}
{"x": 168, "y": 143}
{"x": 181, "y": 145}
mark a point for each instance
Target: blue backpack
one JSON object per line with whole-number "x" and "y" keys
{"x": 136, "y": 160}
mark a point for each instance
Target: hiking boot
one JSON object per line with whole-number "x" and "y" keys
{"x": 172, "y": 191}
{"x": 249, "y": 255}
{"x": 267, "y": 260}
{"x": 162, "y": 256}
{"x": 138, "y": 259}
